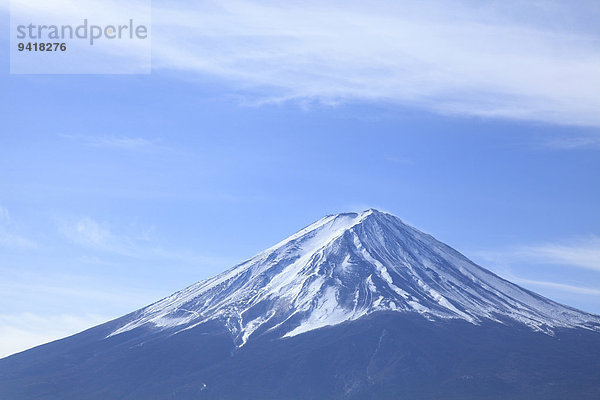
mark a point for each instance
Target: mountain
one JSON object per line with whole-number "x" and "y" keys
{"x": 344, "y": 267}
{"x": 354, "y": 306}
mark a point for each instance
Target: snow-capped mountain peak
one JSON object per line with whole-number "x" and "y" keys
{"x": 344, "y": 267}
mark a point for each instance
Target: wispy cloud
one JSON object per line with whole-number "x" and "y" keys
{"x": 138, "y": 243}
{"x": 449, "y": 57}
{"x": 582, "y": 252}
{"x": 19, "y": 332}
{"x": 10, "y": 238}
{"x": 88, "y": 232}
{"x": 40, "y": 306}
{"x": 519, "y": 60}
{"x": 574, "y": 142}
{"x": 530, "y": 266}
{"x": 96, "y": 235}
{"x": 559, "y": 286}
{"x": 4, "y": 216}
{"x": 30, "y": 287}
{"x": 117, "y": 142}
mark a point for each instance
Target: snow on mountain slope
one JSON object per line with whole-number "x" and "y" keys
{"x": 344, "y": 267}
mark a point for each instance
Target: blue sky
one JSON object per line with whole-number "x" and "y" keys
{"x": 259, "y": 119}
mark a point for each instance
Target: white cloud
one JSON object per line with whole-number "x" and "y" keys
{"x": 4, "y": 216}
{"x": 79, "y": 291}
{"x": 583, "y": 253}
{"x": 116, "y": 142}
{"x": 41, "y": 306}
{"x": 575, "y": 142}
{"x": 88, "y": 232}
{"x": 138, "y": 242}
{"x": 98, "y": 236}
{"x": 551, "y": 269}
{"x": 16, "y": 241}
{"x": 22, "y": 331}
{"x": 559, "y": 286}
{"x": 447, "y": 57}
{"x": 8, "y": 236}
{"x": 519, "y": 60}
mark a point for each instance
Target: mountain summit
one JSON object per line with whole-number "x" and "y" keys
{"x": 346, "y": 266}
{"x": 356, "y": 306}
